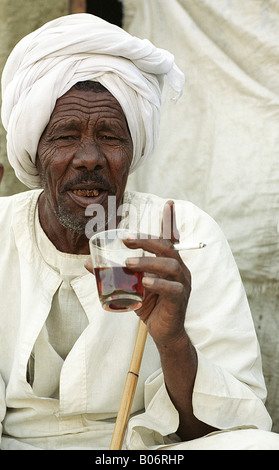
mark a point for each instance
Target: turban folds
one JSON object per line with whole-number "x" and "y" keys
{"x": 44, "y": 65}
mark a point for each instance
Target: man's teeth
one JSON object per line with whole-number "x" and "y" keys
{"x": 87, "y": 192}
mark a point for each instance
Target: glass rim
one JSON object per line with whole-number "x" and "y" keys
{"x": 104, "y": 235}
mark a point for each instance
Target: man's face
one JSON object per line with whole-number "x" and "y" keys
{"x": 84, "y": 155}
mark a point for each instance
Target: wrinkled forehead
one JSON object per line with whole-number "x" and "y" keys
{"x": 87, "y": 94}
{"x": 87, "y": 104}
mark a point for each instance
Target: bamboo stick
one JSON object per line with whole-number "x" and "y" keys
{"x": 129, "y": 389}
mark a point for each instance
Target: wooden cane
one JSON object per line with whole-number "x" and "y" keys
{"x": 129, "y": 389}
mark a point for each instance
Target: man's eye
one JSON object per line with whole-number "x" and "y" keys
{"x": 65, "y": 137}
{"x": 107, "y": 137}
{"x": 110, "y": 138}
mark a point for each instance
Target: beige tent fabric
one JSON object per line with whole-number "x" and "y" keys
{"x": 219, "y": 144}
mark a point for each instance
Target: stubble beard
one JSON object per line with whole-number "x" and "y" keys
{"x": 70, "y": 221}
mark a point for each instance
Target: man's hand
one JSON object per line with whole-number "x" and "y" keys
{"x": 167, "y": 283}
{"x": 168, "y": 286}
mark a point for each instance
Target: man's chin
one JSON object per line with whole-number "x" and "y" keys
{"x": 86, "y": 226}
{"x": 95, "y": 218}
{"x": 71, "y": 223}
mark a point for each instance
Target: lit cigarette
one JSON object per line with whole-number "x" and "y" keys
{"x": 183, "y": 246}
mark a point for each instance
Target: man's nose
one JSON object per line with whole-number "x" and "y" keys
{"x": 89, "y": 156}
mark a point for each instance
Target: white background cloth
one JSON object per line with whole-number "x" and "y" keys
{"x": 219, "y": 144}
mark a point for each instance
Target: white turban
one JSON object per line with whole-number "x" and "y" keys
{"x": 44, "y": 65}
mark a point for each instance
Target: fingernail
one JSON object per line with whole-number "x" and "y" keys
{"x": 132, "y": 261}
{"x": 147, "y": 281}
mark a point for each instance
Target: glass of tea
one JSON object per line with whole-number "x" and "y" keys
{"x": 120, "y": 289}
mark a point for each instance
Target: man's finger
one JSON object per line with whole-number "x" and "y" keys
{"x": 169, "y": 229}
{"x": 164, "y": 267}
{"x": 167, "y": 288}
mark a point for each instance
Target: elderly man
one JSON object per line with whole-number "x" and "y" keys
{"x": 81, "y": 106}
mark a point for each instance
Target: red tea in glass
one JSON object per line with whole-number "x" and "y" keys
{"x": 119, "y": 288}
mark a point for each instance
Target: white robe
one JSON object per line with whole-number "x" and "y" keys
{"x": 229, "y": 389}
